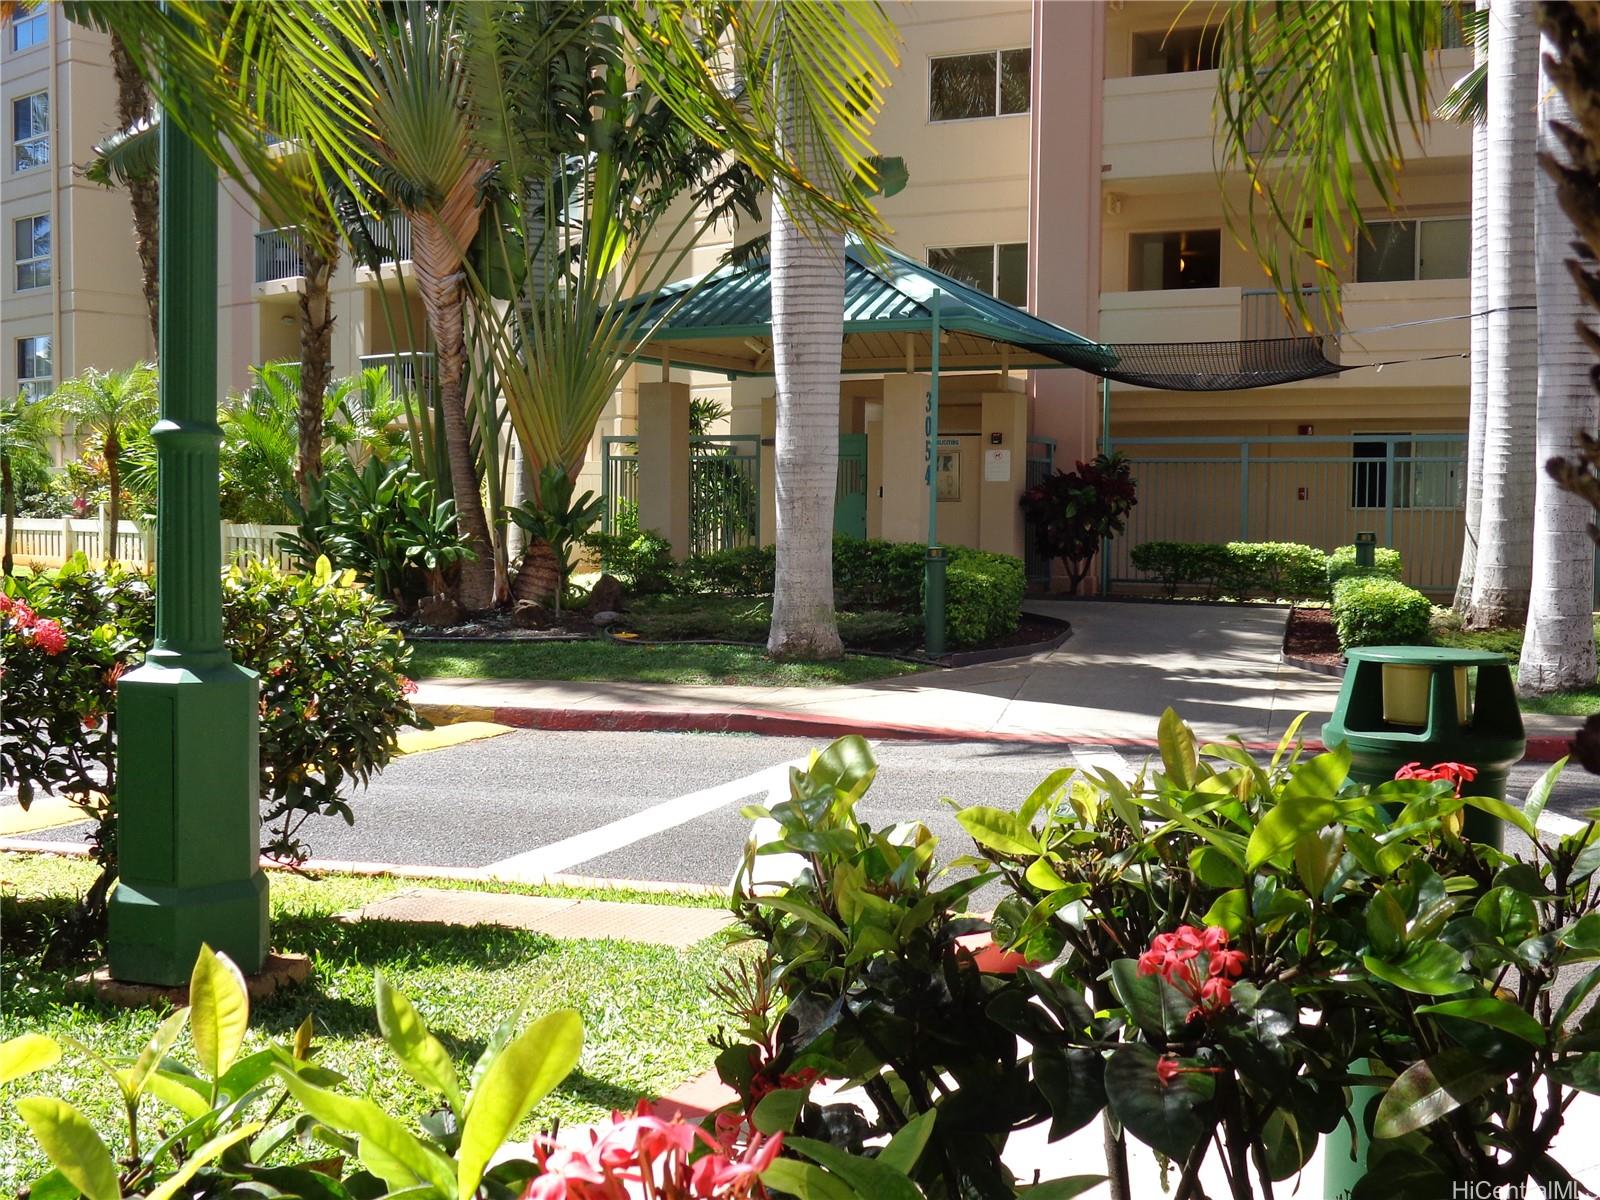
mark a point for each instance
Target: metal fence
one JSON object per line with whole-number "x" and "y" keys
{"x": 279, "y": 254}
{"x": 1409, "y": 489}
{"x": 1041, "y": 461}
{"x": 50, "y": 541}
{"x": 724, "y": 489}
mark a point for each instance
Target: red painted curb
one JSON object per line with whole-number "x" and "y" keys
{"x": 1541, "y": 748}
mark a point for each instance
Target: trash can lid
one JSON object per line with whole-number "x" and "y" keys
{"x": 1427, "y": 656}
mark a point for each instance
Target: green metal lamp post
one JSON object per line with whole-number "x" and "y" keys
{"x": 934, "y": 566}
{"x": 188, "y": 826}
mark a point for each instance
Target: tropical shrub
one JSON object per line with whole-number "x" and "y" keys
{"x": 737, "y": 571}
{"x": 384, "y": 524}
{"x": 873, "y": 573}
{"x": 1072, "y": 513}
{"x": 1371, "y": 610}
{"x": 273, "y": 1123}
{"x": 1342, "y": 563}
{"x": 1348, "y": 937}
{"x": 334, "y": 695}
{"x": 554, "y": 520}
{"x": 1276, "y": 570}
{"x": 642, "y": 561}
{"x": 983, "y": 596}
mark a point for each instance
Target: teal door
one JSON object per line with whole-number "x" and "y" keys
{"x": 850, "y": 497}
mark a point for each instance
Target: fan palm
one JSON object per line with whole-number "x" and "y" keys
{"x": 113, "y": 408}
{"x": 26, "y": 427}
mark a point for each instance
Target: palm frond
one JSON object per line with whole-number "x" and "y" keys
{"x": 1467, "y": 103}
{"x": 1316, "y": 101}
{"x": 126, "y": 155}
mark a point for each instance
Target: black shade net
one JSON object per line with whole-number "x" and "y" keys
{"x": 1211, "y": 366}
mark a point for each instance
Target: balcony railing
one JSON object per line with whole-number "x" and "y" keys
{"x": 391, "y": 235}
{"x": 279, "y": 255}
{"x": 408, "y": 371}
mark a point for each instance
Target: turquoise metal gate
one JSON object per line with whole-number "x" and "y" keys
{"x": 724, "y": 489}
{"x": 1409, "y": 489}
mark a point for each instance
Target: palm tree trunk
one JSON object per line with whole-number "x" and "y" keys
{"x": 443, "y": 295}
{"x": 320, "y": 254}
{"x": 113, "y": 454}
{"x": 1477, "y": 405}
{"x": 8, "y": 498}
{"x": 807, "y": 315}
{"x": 1558, "y": 649}
{"x": 1502, "y": 576}
{"x": 144, "y": 194}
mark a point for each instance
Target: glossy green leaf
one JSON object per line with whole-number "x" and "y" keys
{"x": 1214, "y": 868}
{"x": 1386, "y": 923}
{"x": 1508, "y": 914}
{"x": 1179, "y": 759}
{"x": 1064, "y": 1188}
{"x": 1000, "y": 831}
{"x": 1231, "y": 911}
{"x": 180, "y": 1091}
{"x": 847, "y": 764}
{"x": 1042, "y": 875}
{"x": 207, "y": 1153}
{"x": 1539, "y": 794}
{"x": 1171, "y": 1116}
{"x": 1154, "y": 1005}
{"x": 905, "y": 1148}
{"x": 135, "y": 1078}
{"x": 1431, "y": 969}
{"x": 867, "y": 1176}
{"x": 1044, "y": 797}
{"x": 219, "y": 1011}
{"x": 421, "y": 1054}
{"x": 1292, "y": 818}
{"x": 1505, "y": 812}
{"x": 1316, "y": 856}
{"x": 1492, "y": 1011}
{"x": 1584, "y": 934}
{"x": 777, "y": 1111}
{"x": 1432, "y": 1089}
{"x": 805, "y": 1181}
{"x": 520, "y": 1076}
{"x": 1072, "y": 1081}
{"x": 71, "y": 1143}
{"x": 387, "y": 1148}
{"x": 26, "y": 1054}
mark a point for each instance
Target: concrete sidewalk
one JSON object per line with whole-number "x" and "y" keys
{"x": 1219, "y": 665}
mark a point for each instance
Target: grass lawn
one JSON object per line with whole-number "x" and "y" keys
{"x": 1579, "y": 703}
{"x": 607, "y": 661}
{"x": 647, "y": 1010}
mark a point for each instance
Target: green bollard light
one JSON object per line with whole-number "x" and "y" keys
{"x": 188, "y": 822}
{"x": 1405, "y": 704}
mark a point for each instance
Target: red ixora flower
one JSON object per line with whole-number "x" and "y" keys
{"x": 408, "y": 687}
{"x": 49, "y": 636}
{"x": 1168, "y": 1069}
{"x": 1197, "y": 962}
{"x": 1453, "y": 773}
{"x": 642, "y": 1155}
{"x": 21, "y": 615}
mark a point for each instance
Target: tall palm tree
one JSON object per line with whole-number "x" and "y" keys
{"x": 114, "y": 408}
{"x": 807, "y": 80}
{"x": 1558, "y": 649}
{"x": 434, "y": 169}
{"x": 319, "y": 241}
{"x": 26, "y": 427}
{"x": 134, "y": 109}
{"x": 1502, "y": 576}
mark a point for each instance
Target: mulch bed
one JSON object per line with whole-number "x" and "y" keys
{"x": 1310, "y": 637}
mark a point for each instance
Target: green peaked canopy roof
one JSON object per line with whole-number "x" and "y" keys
{"x": 723, "y": 322}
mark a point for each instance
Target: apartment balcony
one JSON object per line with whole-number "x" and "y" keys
{"x": 280, "y": 261}
{"x": 1160, "y": 127}
{"x": 391, "y": 235}
{"x": 1411, "y": 325}
{"x": 410, "y": 371}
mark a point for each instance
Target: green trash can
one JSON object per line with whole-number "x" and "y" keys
{"x": 1405, "y": 704}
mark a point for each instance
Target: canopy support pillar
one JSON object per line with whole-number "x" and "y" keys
{"x": 934, "y": 569}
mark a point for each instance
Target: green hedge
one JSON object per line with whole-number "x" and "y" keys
{"x": 1277, "y": 570}
{"x": 641, "y": 561}
{"x": 983, "y": 596}
{"x": 1342, "y": 564}
{"x": 1371, "y": 610}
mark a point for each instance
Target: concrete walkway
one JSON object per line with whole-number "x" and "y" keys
{"x": 1219, "y": 665}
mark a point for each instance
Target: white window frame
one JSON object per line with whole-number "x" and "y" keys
{"x": 1166, "y": 232}
{"x": 1409, "y": 472}
{"x": 37, "y": 259}
{"x": 18, "y": 166}
{"x": 996, "y": 115}
{"x": 30, "y": 385}
{"x": 1135, "y": 34}
{"x": 1416, "y": 246}
{"x": 38, "y": 19}
{"x": 994, "y": 261}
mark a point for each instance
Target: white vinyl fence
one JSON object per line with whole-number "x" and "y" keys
{"x": 50, "y": 541}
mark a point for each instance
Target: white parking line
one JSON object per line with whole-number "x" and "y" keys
{"x": 535, "y": 866}
{"x": 1091, "y": 758}
{"x": 1558, "y": 825}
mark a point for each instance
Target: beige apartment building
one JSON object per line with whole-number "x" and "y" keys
{"x": 1061, "y": 156}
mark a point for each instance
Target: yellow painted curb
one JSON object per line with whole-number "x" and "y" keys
{"x": 450, "y": 714}
{"x": 46, "y": 812}
{"x": 416, "y": 741}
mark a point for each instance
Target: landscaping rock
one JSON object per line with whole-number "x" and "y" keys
{"x": 528, "y": 615}
{"x": 606, "y": 597}
{"x": 440, "y": 611}
{"x": 605, "y": 618}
